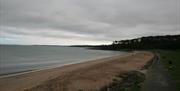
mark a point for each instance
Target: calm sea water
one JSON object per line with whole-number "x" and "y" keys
{"x": 15, "y": 58}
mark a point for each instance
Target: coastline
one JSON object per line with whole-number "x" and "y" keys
{"x": 54, "y": 66}
{"x": 45, "y": 78}
{"x": 16, "y": 59}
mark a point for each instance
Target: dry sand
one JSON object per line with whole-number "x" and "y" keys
{"x": 87, "y": 76}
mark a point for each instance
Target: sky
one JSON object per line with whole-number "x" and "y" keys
{"x": 79, "y": 22}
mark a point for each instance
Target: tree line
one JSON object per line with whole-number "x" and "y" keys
{"x": 150, "y": 42}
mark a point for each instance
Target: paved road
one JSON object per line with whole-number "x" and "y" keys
{"x": 157, "y": 78}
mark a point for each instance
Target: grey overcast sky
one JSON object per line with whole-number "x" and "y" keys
{"x": 67, "y": 22}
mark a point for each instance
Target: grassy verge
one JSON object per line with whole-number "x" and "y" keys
{"x": 131, "y": 81}
{"x": 171, "y": 60}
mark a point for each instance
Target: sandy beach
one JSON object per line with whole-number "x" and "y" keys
{"x": 88, "y": 76}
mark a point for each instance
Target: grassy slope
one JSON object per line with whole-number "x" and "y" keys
{"x": 173, "y": 56}
{"x": 130, "y": 81}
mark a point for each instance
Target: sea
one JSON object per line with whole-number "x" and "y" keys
{"x": 22, "y": 58}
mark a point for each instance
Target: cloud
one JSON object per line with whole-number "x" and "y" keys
{"x": 86, "y": 21}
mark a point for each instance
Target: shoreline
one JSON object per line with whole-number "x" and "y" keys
{"x": 98, "y": 67}
{"x": 54, "y": 66}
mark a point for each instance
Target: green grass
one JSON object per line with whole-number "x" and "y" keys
{"x": 131, "y": 81}
{"x": 174, "y": 56}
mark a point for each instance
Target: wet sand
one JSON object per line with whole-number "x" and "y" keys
{"x": 86, "y": 76}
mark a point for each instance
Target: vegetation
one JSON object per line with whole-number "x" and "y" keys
{"x": 171, "y": 60}
{"x": 131, "y": 81}
{"x": 152, "y": 42}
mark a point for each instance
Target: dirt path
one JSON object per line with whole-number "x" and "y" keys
{"x": 157, "y": 78}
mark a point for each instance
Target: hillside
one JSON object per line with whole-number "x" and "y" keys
{"x": 150, "y": 42}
